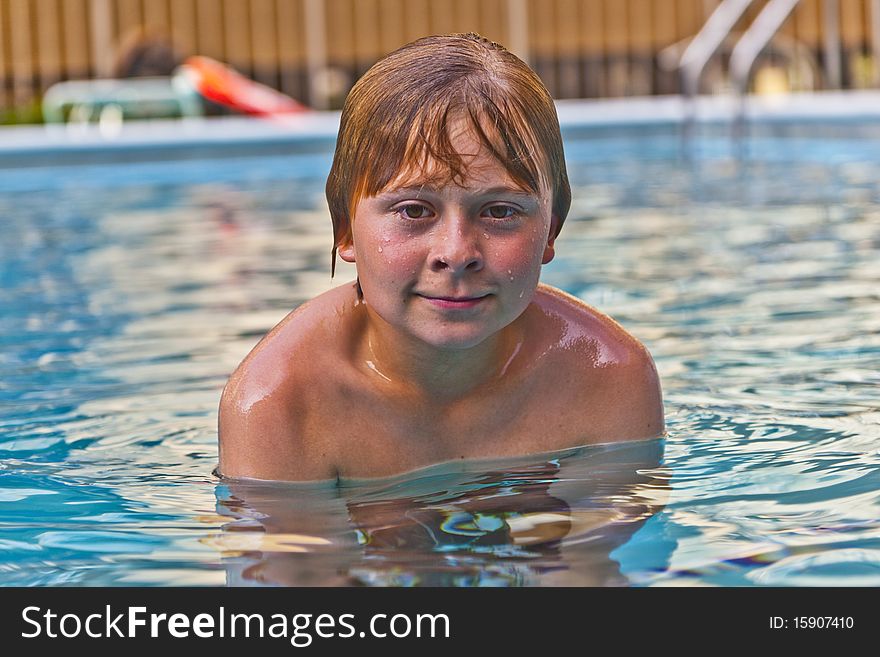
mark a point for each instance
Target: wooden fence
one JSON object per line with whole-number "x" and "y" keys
{"x": 314, "y": 49}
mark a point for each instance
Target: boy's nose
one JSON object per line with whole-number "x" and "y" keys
{"x": 457, "y": 248}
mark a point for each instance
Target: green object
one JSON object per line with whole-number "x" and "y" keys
{"x": 132, "y": 98}
{"x": 30, "y": 113}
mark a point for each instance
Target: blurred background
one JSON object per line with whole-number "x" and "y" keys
{"x": 314, "y": 50}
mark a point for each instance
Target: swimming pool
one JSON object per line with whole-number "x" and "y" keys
{"x": 130, "y": 292}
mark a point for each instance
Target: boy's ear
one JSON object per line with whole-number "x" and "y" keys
{"x": 549, "y": 250}
{"x": 346, "y": 250}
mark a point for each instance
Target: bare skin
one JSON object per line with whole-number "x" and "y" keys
{"x": 454, "y": 352}
{"x": 307, "y": 405}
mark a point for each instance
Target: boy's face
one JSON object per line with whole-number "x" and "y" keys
{"x": 452, "y": 265}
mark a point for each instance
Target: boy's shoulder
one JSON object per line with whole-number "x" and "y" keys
{"x": 267, "y": 399}
{"x": 299, "y": 344}
{"x": 603, "y": 369}
{"x": 582, "y": 326}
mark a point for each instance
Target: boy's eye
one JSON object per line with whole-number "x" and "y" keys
{"x": 501, "y": 211}
{"x": 414, "y": 211}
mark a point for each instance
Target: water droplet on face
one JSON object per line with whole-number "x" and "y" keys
{"x": 380, "y": 249}
{"x": 486, "y": 235}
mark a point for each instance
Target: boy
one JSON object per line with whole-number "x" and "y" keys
{"x": 448, "y": 189}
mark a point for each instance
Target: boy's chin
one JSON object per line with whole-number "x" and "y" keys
{"x": 454, "y": 340}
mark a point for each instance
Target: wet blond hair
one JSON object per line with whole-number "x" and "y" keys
{"x": 397, "y": 118}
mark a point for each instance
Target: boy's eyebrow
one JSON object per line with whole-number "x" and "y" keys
{"x": 408, "y": 189}
{"x": 504, "y": 189}
{"x": 489, "y": 191}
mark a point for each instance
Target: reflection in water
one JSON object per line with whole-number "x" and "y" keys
{"x": 534, "y": 521}
{"x": 127, "y": 298}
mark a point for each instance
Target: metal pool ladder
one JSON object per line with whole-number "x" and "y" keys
{"x": 742, "y": 59}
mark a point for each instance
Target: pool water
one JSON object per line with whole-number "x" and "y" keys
{"x": 129, "y": 293}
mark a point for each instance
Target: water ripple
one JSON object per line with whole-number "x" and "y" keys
{"x": 756, "y": 292}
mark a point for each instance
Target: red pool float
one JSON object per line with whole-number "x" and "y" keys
{"x": 225, "y": 86}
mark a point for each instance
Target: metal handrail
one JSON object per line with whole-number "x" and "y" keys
{"x": 701, "y": 48}
{"x": 746, "y": 51}
{"x": 756, "y": 38}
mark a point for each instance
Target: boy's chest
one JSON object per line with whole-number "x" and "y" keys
{"x": 374, "y": 436}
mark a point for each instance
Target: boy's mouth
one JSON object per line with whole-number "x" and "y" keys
{"x": 454, "y": 302}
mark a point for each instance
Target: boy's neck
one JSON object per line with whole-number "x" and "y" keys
{"x": 435, "y": 374}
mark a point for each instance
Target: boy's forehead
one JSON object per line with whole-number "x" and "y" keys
{"x": 475, "y": 172}
{"x": 462, "y": 160}
{"x": 477, "y": 168}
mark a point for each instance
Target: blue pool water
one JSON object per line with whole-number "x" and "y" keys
{"x": 129, "y": 293}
